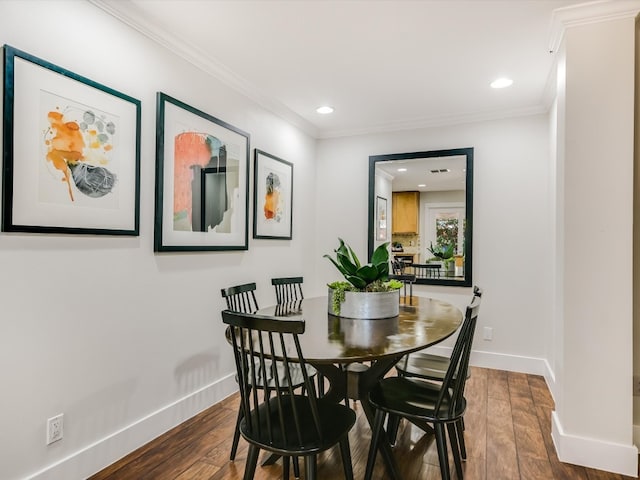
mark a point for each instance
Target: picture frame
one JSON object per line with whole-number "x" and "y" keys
{"x": 71, "y": 157}
{"x": 202, "y": 180}
{"x": 272, "y": 197}
{"x": 381, "y": 219}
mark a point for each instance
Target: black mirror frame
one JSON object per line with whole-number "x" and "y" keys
{"x": 468, "y": 234}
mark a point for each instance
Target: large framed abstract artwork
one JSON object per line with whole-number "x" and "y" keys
{"x": 273, "y": 197}
{"x": 202, "y": 180}
{"x": 71, "y": 157}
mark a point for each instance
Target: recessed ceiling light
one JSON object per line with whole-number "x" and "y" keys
{"x": 324, "y": 109}
{"x": 501, "y": 83}
{"x": 402, "y": 169}
{"x": 421, "y": 185}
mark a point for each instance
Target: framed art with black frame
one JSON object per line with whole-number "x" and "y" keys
{"x": 202, "y": 180}
{"x": 272, "y": 197}
{"x": 381, "y": 219}
{"x": 71, "y": 157}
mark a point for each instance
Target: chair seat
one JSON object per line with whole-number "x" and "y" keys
{"x": 412, "y": 397}
{"x": 424, "y": 365}
{"x": 342, "y": 419}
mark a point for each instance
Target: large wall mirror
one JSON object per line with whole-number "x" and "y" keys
{"x": 422, "y": 203}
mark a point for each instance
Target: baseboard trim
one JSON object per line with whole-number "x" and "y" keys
{"x": 636, "y": 435}
{"x": 501, "y": 361}
{"x": 588, "y": 452}
{"x": 102, "y": 453}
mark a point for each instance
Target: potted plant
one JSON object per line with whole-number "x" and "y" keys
{"x": 367, "y": 291}
{"x": 444, "y": 254}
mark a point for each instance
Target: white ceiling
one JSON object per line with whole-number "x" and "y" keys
{"x": 383, "y": 65}
{"x": 426, "y": 174}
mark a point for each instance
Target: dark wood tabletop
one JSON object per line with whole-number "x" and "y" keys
{"x": 331, "y": 339}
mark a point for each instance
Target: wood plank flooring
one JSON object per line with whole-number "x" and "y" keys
{"x": 508, "y": 437}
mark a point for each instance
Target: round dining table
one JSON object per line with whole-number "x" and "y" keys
{"x": 354, "y": 354}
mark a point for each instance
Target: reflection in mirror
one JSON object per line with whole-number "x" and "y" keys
{"x": 422, "y": 203}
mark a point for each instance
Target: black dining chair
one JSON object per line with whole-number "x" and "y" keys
{"x": 278, "y": 419}
{"x": 239, "y": 298}
{"x": 288, "y": 289}
{"x": 424, "y": 402}
{"x": 426, "y": 365}
{"x": 429, "y": 366}
{"x": 288, "y": 292}
{"x": 242, "y": 299}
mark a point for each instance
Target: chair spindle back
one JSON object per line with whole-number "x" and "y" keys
{"x": 241, "y": 298}
{"x": 288, "y": 289}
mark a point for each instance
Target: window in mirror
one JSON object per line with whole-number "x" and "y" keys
{"x": 431, "y": 211}
{"x": 448, "y": 230}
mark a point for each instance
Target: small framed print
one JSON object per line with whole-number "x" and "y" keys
{"x": 273, "y": 197}
{"x": 202, "y": 180}
{"x": 381, "y": 219}
{"x": 71, "y": 152}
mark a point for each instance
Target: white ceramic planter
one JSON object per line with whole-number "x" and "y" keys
{"x": 370, "y": 305}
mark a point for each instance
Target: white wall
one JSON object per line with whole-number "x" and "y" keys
{"x": 595, "y": 322}
{"x": 511, "y": 225}
{"x": 123, "y": 341}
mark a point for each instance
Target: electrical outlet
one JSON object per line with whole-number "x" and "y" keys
{"x": 487, "y": 333}
{"x": 55, "y": 429}
{"x": 636, "y": 385}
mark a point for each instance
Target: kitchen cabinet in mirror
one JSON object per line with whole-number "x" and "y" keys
{"x": 431, "y": 209}
{"x": 405, "y": 212}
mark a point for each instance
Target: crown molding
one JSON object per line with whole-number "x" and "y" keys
{"x": 588, "y": 13}
{"x": 128, "y": 13}
{"x": 435, "y": 122}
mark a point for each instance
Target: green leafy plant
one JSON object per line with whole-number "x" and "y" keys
{"x": 371, "y": 277}
{"x": 441, "y": 252}
{"x": 358, "y": 275}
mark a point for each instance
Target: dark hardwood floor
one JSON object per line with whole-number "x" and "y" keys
{"x": 508, "y": 437}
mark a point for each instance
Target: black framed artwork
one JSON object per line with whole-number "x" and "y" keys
{"x": 202, "y": 180}
{"x": 71, "y": 159}
{"x": 381, "y": 219}
{"x": 272, "y": 197}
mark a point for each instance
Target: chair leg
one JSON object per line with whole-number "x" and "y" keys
{"x": 285, "y": 468}
{"x": 236, "y": 436}
{"x": 345, "y": 453}
{"x": 460, "y": 432}
{"x": 320, "y": 379}
{"x": 310, "y": 467}
{"x": 252, "y": 461}
{"x": 453, "y": 440}
{"x": 441, "y": 443}
{"x": 296, "y": 467}
{"x": 375, "y": 439}
{"x": 393, "y": 424}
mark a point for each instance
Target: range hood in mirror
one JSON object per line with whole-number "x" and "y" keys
{"x": 423, "y": 200}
